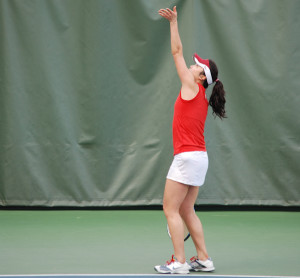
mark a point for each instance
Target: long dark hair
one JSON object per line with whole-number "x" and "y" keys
{"x": 217, "y": 99}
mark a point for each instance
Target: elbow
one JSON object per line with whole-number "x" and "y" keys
{"x": 177, "y": 51}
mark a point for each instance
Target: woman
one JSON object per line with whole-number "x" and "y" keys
{"x": 189, "y": 167}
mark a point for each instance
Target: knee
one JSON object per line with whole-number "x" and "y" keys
{"x": 169, "y": 210}
{"x": 186, "y": 211}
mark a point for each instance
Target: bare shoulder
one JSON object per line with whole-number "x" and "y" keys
{"x": 189, "y": 91}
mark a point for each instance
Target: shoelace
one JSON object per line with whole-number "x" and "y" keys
{"x": 171, "y": 261}
{"x": 194, "y": 258}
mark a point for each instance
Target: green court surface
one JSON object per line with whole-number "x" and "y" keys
{"x": 250, "y": 243}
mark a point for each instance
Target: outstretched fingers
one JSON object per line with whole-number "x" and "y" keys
{"x": 168, "y": 13}
{"x": 164, "y": 13}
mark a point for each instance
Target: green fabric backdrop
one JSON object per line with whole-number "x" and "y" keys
{"x": 87, "y": 95}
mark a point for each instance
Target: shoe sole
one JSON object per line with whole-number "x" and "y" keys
{"x": 203, "y": 269}
{"x": 172, "y": 272}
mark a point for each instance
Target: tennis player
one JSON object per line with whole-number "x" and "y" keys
{"x": 189, "y": 167}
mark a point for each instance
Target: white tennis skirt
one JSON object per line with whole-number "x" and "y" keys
{"x": 189, "y": 168}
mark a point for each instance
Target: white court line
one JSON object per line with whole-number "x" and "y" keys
{"x": 142, "y": 275}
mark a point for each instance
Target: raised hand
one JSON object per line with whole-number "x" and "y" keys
{"x": 169, "y": 14}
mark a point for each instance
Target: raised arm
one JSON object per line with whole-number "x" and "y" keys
{"x": 186, "y": 77}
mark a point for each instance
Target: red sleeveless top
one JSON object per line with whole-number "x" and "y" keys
{"x": 189, "y": 122}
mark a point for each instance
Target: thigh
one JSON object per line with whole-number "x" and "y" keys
{"x": 174, "y": 195}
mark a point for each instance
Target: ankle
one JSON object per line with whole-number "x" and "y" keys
{"x": 181, "y": 260}
{"x": 203, "y": 257}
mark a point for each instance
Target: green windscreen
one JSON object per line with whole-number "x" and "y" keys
{"x": 87, "y": 90}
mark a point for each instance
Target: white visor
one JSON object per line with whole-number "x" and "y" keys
{"x": 206, "y": 70}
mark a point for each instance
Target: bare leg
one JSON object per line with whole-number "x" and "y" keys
{"x": 174, "y": 195}
{"x": 193, "y": 222}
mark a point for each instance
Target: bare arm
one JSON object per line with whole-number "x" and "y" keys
{"x": 176, "y": 45}
{"x": 186, "y": 77}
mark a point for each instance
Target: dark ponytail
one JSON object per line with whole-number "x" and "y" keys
{"x": 217, "y": 99}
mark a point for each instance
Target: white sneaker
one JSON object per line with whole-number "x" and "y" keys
{"x": 198, "y": 265}
{"x": 173, "y": 267}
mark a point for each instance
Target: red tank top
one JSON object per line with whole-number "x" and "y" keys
{"x": 189, "y": 122}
